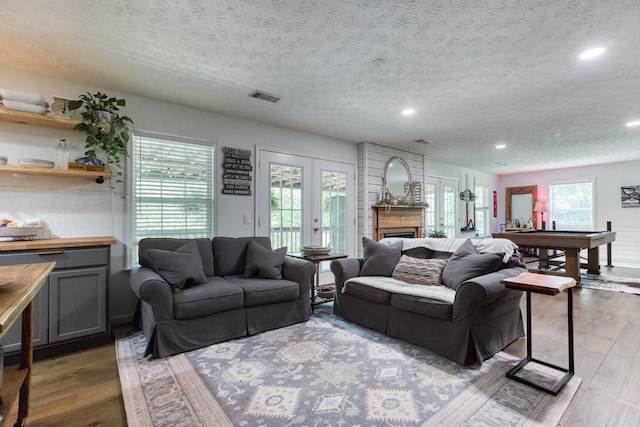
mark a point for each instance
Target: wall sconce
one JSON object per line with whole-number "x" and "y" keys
{"x": 541, "y": 207}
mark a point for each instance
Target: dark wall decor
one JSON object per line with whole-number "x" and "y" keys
{"x": 630, "y": 196}
{"x": 236, "y": 175}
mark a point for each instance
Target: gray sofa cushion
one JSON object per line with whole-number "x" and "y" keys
{"x": 367, "y": 293}
{"x": 421, "y": 305}
{"x": 230, "y": 254}
{"x": 215, "y": 296}
{"x": 259, "y": 291}
{"x": 180, "y": 268}
{"x": 167, "y": 244}
{"x": 263, "y": 262}
{"x": 379, "y": 258}
{"x": 466, "y": 263}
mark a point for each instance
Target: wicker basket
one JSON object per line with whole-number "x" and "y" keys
{"x": 96, "y": 168}
{"x": 19, "y": 233}
{"x": 77, "y": 166}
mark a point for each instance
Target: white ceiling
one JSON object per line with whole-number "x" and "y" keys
{"x": 477, "y": 72}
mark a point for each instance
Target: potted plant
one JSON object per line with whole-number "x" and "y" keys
{"x": 107, "y": 132}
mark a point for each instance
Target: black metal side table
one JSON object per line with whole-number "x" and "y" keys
{"x": 316, "y": 260}
{"x": 547, "y": 285}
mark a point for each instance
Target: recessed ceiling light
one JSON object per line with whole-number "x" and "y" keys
{"x": 408, "y": 112}
{"x": 634, "y": 123}
{"x": 378, "y": 62}
{"x": 501, "y": 146}
{"x": 592, "y": 53}
{"x": 500, "y": 163}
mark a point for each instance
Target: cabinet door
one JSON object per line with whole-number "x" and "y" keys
{"x": 77, "y": 303}
{"x": 13, "y": 338}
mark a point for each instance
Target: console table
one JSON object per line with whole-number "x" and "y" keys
{"x": 16, "y": 298}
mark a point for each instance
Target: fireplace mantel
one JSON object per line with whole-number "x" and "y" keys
{"x": 386, "y": 219}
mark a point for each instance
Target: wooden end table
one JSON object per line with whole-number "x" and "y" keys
{"x": 547, "y": 285}
{"x": 316, "y": 260}
{"x": 16, "y": 298}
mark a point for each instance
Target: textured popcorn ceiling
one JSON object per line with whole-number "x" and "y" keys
{"x": 477, "y": 72}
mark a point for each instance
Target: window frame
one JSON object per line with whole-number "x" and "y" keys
{"x": 131, "y": 258}
{"x": 552, "y": 209}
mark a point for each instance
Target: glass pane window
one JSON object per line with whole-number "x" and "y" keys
{"x": 571, "y": 206}
{"x": 285, "y": 227}
{"x": 481, "y": 210}
{"x": 172, "y": 188}
{"x": 430, "y": 212}
{"x": 334, "y": 211}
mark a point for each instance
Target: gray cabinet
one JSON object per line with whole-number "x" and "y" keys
{"x": 73, "y": 302}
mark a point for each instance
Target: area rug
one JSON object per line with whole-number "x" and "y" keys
{"x": 326, "y": 372}
{"x": 610, "y": 283}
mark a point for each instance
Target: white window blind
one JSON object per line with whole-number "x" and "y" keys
{"x": 172, "y": 189}
{"x": 571, "y": 206}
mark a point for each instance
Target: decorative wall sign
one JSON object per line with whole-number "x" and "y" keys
{"x": 236, "y": 176}
{"x": 495, "y": 204}
{"x": 630, "y": 196}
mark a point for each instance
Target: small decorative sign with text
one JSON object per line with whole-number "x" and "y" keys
{"x": 236, "y": 177}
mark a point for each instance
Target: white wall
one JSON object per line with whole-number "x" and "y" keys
{"x": 78, "y": 208}
{"x": 608, "y": 180}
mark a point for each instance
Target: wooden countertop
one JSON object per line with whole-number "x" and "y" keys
{"x": 70, "y": 242}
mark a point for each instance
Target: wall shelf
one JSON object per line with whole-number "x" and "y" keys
{"x": 42, "y": 120}
{"x": 98, "y": 176}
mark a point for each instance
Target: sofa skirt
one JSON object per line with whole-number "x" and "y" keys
{"x": 177, "y": 336}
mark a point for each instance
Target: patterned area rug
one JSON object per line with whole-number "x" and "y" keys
{"x": 326, "y": 372}
{"x": 609, "y": 283}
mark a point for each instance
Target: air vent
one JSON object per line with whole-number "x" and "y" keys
{"x": 423, "y": 141}
{"x": 264, "y": 96}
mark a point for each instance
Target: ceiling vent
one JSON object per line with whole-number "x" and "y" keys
{"x": 264, "y": 96}
{"x": 423, "y": 141}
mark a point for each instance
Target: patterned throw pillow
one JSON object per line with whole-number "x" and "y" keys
{"x": 419, "y": 271}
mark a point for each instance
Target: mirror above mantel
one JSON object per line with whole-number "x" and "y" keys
{"x": 396, "y": 178}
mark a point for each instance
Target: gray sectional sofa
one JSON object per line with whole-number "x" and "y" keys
{"x": 464, "y": 313}
{"x": 197, "y": 292}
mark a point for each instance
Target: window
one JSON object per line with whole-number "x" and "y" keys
{"x": 481, "y": 210}
{"x": 172, "y": 189}
{"x": 571, "y": 205}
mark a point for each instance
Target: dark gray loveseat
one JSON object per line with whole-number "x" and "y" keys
{"x": 483, "y": 318}
{"x": 221, "y": 305}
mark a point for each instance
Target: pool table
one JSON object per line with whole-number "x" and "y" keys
{"x": 568, "y": 241}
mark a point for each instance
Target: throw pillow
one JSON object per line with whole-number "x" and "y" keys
{"x": 379, "y": 258}
{"x": 180, "y": 268}
{"x": 419, "y": 271}
{"x": 263, "y": 262}
{"x": 466, "y": 263}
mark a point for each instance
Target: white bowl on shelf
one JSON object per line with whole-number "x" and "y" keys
{"x": 36, "y": 163}
{"x": 3, "y": 160}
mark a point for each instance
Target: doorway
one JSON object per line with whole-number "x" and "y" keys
{"x": 442, "y": 196}
{"x": 306, "y": 201}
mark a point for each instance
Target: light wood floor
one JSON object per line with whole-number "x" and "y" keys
{"x": 83, "y": 389}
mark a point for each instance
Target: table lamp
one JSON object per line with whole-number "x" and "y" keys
{"x": 540, "y": 207}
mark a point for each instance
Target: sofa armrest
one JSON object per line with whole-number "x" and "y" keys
{"x": 481, "y": 291}
{"x": 344, "y": 269}
{"x": 151, "y": 288}
{"x": 299, "y": 270}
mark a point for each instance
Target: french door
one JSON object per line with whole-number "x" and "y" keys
{"x": 442, "y": 196}
{"x": 305, "y": 201}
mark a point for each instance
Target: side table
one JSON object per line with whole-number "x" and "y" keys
{"x": 316, "y": 260}
{"x": 547, "y": 285}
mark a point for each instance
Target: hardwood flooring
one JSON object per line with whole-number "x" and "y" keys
{"x": 83, "y": 389}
